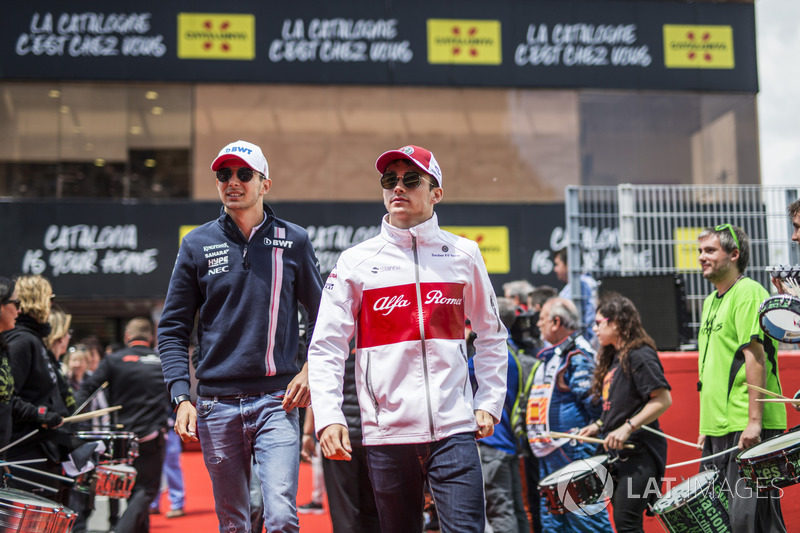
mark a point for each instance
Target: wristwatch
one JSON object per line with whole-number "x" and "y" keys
{"x": 177, "y": 400}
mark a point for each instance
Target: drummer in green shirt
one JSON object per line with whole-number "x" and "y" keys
{"x": 734, "y": 351}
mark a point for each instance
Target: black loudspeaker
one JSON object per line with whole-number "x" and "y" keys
{"x": 661, "y": 303}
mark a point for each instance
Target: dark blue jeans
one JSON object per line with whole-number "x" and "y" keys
{"x": 453, "y": 469}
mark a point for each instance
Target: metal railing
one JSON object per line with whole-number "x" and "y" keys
{"x": 635, "y": 230}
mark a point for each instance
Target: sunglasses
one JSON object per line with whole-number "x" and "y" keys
{"x": 598, "y": 323}
{"x": 723, "y": 227}
{"x": 243, "y": 173}
{"x": 411, "y": 180}
{"x": 9, "y": 301}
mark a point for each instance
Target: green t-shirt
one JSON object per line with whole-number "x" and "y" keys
{"x": 728, "y": 324}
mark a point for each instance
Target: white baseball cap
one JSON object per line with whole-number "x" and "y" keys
{"x": 246, "y": 152}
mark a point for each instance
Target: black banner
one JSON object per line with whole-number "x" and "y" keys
{"x": 108, "y": 250}
{"x": 593, "y": 44}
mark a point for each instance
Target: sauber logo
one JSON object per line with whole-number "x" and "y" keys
{"x": 436, "y": 297}
{"x": 388, "y": 303}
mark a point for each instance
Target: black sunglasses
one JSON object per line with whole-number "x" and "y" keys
{"x": 9, "y": 301}
{"x": 411, "y": 180}
{"x": 243, "y": 173}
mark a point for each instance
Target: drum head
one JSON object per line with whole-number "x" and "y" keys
{"x": 26, "y": 498}
{"x": 685, "y": 491}
{"x": 577, "y": 467}
{"x": 781, "y": 442}
{"x": 779, "y": 317}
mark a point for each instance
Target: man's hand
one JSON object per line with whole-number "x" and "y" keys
{"x": 186, "y": 422}
{"x": 485, "y": 424}
{"x": 298, "y": 393}
{"x": 701, "y": 441}
{"x": 589, "y": 431}
{"x": 335, "y": 442}
{"x": 750, "y": 436}
{"x": 308, "y": 449}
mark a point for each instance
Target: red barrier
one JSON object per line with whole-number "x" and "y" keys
{"x": 683, "y": 418}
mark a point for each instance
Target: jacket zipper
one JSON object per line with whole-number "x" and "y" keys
{"x": 466, "y": 362}
{"x": 245, "y": 261}
{"x": 421, "y": 321}
{"x": 370, "y": 389}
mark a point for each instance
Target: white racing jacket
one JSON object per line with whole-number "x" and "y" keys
{"x": 405, "y": 295}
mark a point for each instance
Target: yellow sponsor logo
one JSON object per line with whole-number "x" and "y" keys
{"x": 464, "y": 42}
{"x": 686, "y": 248}
{"x": 493, "y": 242}
{"x": 698, "y": 46}
{"x": 216, "y": 36}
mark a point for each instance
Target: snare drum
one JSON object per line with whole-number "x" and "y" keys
{"x": 697, "y": 505}
{"x": 580, "y": 483}
{"x": 773, "y": 463}
{"x": 779, "y": 317}
{"x": 114, "y": 481}
{"x": 121, "y": 446}
{"x": 23, "y": 512}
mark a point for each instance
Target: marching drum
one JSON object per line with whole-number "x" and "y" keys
{"x": 22, "y": 512}
{"x": 583, "y": 482}
{"x": 779, "y": 315}
{"x": 121, "y": 446}
{"x": 773, "y": 463}
{"x": 697, "y": 505}
{"x": 114, "y": 480}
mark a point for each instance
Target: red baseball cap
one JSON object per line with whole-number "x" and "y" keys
{"x": 423, "y": 159}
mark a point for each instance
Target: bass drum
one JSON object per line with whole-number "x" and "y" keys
{"x": 779, "y": 317}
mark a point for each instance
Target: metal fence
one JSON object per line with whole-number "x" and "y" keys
{"x": 632, "y": 230}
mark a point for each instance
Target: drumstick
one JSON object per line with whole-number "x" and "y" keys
{"x": 25, "y": 462}
{"x": 90, "y": 398}
{"x": 46, "y": 474}
{"x": 729, "y": 450}
{"x": 765, "y": 391}
{"x": 29, "y": 435}
{"x": 91, "y": 414}
{"x": 778, "y": 400}
{"x": 39, "y": 485}
{"x": 575, "y": 436}
{"x": 687, "y": 443}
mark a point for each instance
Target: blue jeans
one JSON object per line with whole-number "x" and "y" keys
{"x": 453, "y": 469}
{"x": 232, "y": 432}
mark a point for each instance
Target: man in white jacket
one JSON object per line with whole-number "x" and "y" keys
{"x": 405, "y": 296}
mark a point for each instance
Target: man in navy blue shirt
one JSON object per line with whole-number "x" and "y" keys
{"x": 245, "y": 274}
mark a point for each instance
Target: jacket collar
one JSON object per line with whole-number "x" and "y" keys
{"x": 227, "y": 223}
{"x": 423, "y": 232}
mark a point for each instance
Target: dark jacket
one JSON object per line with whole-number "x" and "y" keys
{"x": 246, "y": 294}
{"x": 136, "y": 383}
{"x": 38, "y": 383}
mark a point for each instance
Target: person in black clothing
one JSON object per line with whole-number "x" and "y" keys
{"x": 9, "y": 309}
{"x": 350, "y": 496}
{"x": 41, "y": 396}
{"x": 630, "y": 380}
{"x": 136, "y": 383}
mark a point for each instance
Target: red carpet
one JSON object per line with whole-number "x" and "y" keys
{"x": 200, "y": 516}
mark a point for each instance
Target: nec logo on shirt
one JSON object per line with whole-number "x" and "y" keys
{"x": 278, "y": 243}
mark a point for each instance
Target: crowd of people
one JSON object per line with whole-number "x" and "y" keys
{"x": 426, "y": 386}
